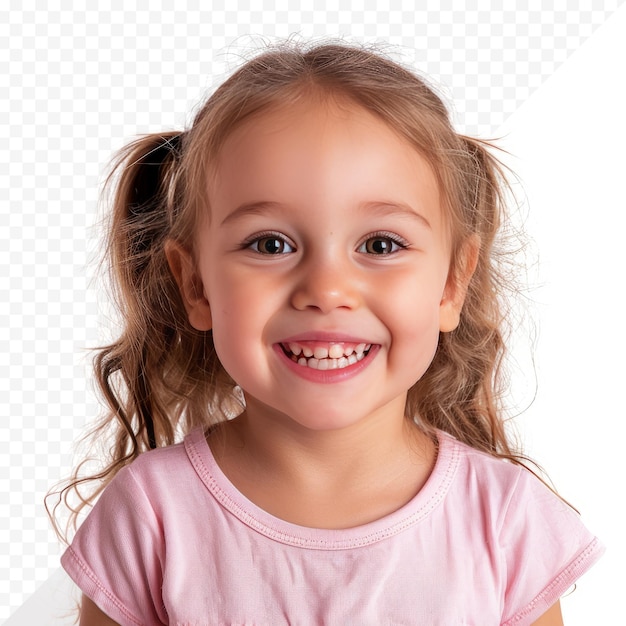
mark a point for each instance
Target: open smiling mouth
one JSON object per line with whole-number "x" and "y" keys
{"x": 332, "y": 357}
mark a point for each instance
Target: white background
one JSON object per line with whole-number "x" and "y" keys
{"x": 80, "y": 84}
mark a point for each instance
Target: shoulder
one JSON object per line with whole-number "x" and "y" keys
{"x": 481, "y": 473}
{"x": 474, "y": 458}
{"x": 146, "y": 490}
{"x": 160, "y": 460}
{"x": 163, "y": 468}
{"x": 501, "y": 492}
{"x": 122, "y": 542}
{"x": 535, "y": 540}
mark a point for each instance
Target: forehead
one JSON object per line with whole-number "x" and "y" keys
{"x": 324, "y": 151}
{"x": 315, "y": 123}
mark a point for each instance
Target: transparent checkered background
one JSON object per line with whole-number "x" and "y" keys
{"x": 77, "y": 84}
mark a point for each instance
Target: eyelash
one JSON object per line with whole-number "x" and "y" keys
{"x": 253, "y": 243}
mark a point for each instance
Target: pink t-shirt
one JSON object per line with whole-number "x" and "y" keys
{"x": 171, "y": 541}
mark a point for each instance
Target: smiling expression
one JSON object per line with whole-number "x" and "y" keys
{"x": 322, "y": 265}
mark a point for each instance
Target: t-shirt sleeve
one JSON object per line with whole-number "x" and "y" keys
{"x": 546, "y": 547}
{"x": 116, "y": 557}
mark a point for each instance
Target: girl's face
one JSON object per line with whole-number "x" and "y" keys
{"x": 323, "y": 266}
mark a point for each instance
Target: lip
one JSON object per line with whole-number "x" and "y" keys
{"x": 325, "y": 376}
{"x": 324, "y": 337}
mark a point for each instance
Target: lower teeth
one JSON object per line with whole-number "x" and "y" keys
{"x": 328, "y": 364}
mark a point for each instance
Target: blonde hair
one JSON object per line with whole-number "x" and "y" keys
{"x": 162, "y": 377}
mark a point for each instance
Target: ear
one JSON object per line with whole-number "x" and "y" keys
{"x": 190, "y": 285}
{"x": 456, "y": 286}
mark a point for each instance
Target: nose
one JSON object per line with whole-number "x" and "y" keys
{"x": 326, "y": 284}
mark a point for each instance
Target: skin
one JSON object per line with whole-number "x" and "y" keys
{"x": 91, "y": 615}
{"x": 325, "y": 228}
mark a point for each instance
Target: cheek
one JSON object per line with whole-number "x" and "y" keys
{"x": 414, "y": 295}
{"x": 422, "y": 334}
{"x": 234, "y": 347}
{"x": 413, "y": 311}
{"x": 240, "y": 312}
{"x": 418, "y": 345}
{"x": 233, "y": 321}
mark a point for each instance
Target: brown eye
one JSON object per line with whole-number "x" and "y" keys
{"x": 380, "y": 245}
{"x": 271, "y": 245}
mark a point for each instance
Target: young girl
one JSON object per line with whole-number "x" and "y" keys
{"x": 311, "y": 345}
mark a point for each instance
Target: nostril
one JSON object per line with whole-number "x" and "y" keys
{"x": 325, "y": 293}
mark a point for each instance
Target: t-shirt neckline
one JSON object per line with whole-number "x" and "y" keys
{"x": 231, "y": 499}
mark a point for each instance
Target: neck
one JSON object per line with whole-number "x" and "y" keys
{"x": 371, "y": 468}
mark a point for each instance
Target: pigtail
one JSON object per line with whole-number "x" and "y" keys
{"x": 139, "y": 222}
{"x": 462, "y": 391}
{"x": 144, "y": 179}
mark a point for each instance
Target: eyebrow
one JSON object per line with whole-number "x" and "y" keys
{"x": 382, "y": 207}
{"x": 251, "y": 208}
{"x": 395, "y": 208}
